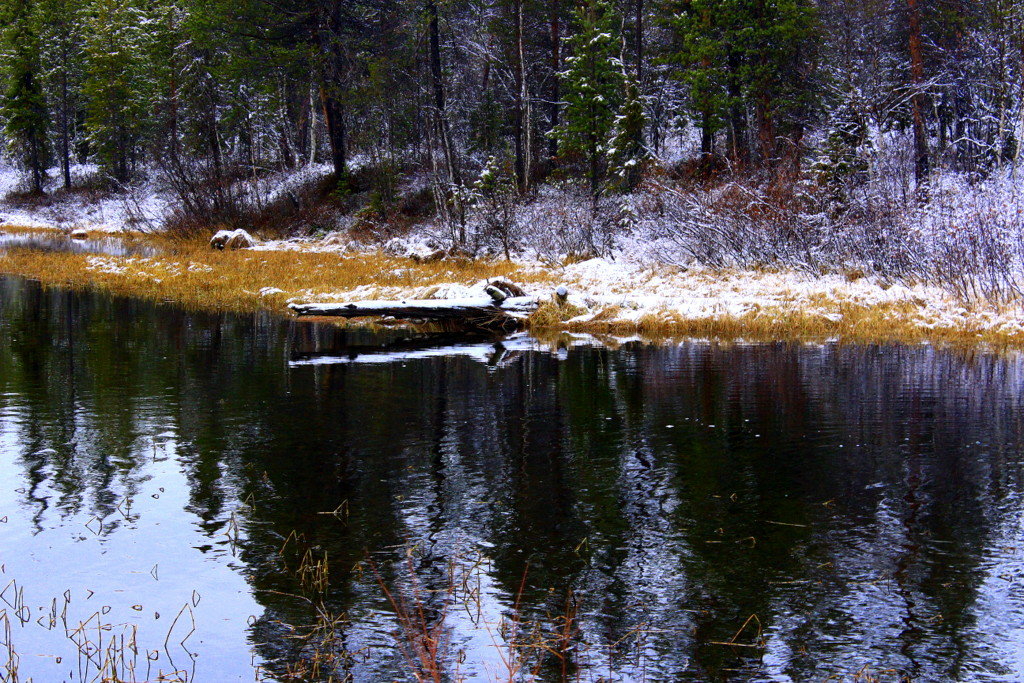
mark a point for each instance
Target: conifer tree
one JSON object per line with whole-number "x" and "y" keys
{"x": 777, "y": 45}
{"x": 24, "y": 105}
{"x": 62, "y": 54}
{"x": 592, "y": 88}
{"x": 740, "y": 55}
{"x": 627, "y": 154}
{"x": 117, "y": 84}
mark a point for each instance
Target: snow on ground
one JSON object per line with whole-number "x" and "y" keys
{"x": 633, "y": 286}
{"x": 634, "y": 291}
{"x": 136, "y": 207}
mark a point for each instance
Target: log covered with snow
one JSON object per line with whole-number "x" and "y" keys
{"x": 478, "y": 311}
{"x": 503, "y": 305}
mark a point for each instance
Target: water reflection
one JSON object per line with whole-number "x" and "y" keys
{"x": 60, "y": 242}
{"x": 684, "y": 512}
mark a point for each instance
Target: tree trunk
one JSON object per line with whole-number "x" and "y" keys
{"x": 437, "y": 78}
{"x": 707, "y": 137}
{"x": 334, "y": 116}
{"x": 519, "y": 132}
{"x": 737, "y": 115}
{"x": 765, "y": 129}
{"x": 334, "y": 109}
{"x": 524, "y": 103}
{"x": 922, "y": 165}
{"x": 65, "y": 132}
{"x": 556, "y": 65}
{"x": 638, "y": 30}
{"x": 36, "y": 162}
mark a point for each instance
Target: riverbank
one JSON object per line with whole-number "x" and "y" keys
{"x": 606, "y": 297}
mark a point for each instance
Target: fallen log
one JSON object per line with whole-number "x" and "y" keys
{"x": 489, "y": 311}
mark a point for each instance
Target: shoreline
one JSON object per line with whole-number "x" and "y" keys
{"x": 606, "y": 298}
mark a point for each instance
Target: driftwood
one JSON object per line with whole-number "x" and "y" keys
{"x": 476, "y": 311}
{"x": 505, "y": 307}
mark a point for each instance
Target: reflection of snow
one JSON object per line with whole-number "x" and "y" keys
{"x": 490, "y": 353}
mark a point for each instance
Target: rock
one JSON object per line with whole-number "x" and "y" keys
{"x": 335, "y": 239}
{"x": 220, "y": 239}
{"x": 241, "y": 240}
{"x": 458, "y": 252}
{"x": 510, "y": 288}
{"x": 80, "y": 234}
{"x": 395, "y": 247}
{"x": 432, "y": 257}
{"x": 228, "y": 239}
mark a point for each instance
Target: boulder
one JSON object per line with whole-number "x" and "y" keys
{"x": 506, "y": 286}
{"x": 80, "y": 234}
{"x": 232, "y": 239}
{"x": 335, "y": 239}
{"x": 432, "y": 257}
{"x": 458, "y": 252}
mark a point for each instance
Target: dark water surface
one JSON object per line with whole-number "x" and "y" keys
{"x": 233, "y": 497}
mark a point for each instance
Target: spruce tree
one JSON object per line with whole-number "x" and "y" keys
{"x": 745, "y": 55}
{"x": 778, "y": 59}
{"x": 24, "y": 105}
{"x": 592, "y": 88}
{"x": 62, "y": 53}
{"x": 117, "y": 85}
{"x": 627, "y": 154}
{"x": 700, "y": 53}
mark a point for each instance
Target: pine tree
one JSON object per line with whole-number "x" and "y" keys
{"x": 23, "y": 107}
{"x": 592, "y": 88}
{"x": 740, "y": 55}
{"x": 706, "y": 52}
{"x": 627, "y": 154}
{"x": 117, "y": 85}
{"x": 62, "y": 54}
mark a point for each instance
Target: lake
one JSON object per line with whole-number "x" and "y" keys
{"x": 223, "y": 497}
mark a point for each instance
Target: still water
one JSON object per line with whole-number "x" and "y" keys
{"x": 220, "y": 497}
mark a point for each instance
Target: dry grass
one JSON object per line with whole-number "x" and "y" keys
{"x": 23, "y": 229}
{"x": 882, "y": 323}
{"x": 192, "y": 275}
{"x": 552, "y": 315}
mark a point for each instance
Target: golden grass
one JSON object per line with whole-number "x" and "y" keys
{"x": 553, "y": 314}
{"x": 20, "y": 229}
{"x": 192, "y": 275}
{"x": 196, "y": 277}
{"x": 884, "y": 323}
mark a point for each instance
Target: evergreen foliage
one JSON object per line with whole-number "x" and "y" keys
{"x": 627, "y": 154}
{"x": 200, "y": 93}
{"x": 118, "y": 86}
{"x": 24, "y": 105}
{"x": 592, "y": 86}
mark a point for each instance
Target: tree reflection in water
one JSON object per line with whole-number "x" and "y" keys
{"x": 862, "y": 501}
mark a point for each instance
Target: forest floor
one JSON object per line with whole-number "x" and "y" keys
{"x": 620, "y": 298}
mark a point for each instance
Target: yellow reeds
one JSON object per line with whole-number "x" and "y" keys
{"x": 190, "y": 274}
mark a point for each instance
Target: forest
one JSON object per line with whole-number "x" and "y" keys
{"x": 880, "y": 135}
